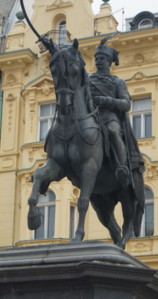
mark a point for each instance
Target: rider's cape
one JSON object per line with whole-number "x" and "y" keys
{"x": 110, "y": 86}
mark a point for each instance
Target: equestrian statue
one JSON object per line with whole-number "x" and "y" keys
{"x": 91, "y": 142}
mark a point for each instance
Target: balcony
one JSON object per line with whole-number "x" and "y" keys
{"x": 60, "y": 37}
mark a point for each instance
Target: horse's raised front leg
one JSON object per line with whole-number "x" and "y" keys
{"x": 88, "y": 178}
{"x": 42, "y": 177}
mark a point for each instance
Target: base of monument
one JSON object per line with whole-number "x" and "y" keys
{"x": 88, "y": 270}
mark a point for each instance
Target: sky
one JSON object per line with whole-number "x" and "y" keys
{"x": 131, "y": 8}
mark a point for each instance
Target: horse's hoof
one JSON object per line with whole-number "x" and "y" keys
{"x": 121, "y": 245}
{"x": 34, "y": 221}
{"x": 76, "y": 240}
{"x": 78, "y": 237}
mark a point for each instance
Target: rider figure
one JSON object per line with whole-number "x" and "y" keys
{"x": 111, "y": 95}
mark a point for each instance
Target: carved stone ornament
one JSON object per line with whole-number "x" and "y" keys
{"x": 46, "y": 88}
{"x": 139, "y": 247}
{"x": 151, "y": 171}
{"x": 59, "y": 3}
{"x": 139, "y": 58}
{"x": 10, "y": 80}
{"x": 10, "y": 97}
{"x": 139, "y": 76}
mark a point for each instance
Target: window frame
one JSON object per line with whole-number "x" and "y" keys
{"x": 61, "y": 39}
{"x": 40, "y": 118}
{"x": 72, "y": 235}
{"x": 46, "y": 206}
{"x": 142, "y": 114}
{"x": 145, "y": 26}
{"x": 143, "y": 226}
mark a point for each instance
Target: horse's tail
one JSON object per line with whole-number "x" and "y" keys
{"x": 137, "y": 220}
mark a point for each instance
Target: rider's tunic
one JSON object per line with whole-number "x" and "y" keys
{"x": 112, "y": 86}
{"x": 108, "y": 85}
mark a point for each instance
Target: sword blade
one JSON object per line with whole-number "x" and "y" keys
{"x": 28, "y": 20}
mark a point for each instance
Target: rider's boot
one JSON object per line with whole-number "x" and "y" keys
{"x": 122, "y": 175}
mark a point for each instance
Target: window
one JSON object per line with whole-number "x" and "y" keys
{"x": 72, "y": 222}
{"x": 46, "y": 114}
{"x": 147, "y": 228}
{"x": 61, "y": 32}
{"x": 46, "y": 207}
{"x": 142, "y": 118}
{"x": 145, "y": 23}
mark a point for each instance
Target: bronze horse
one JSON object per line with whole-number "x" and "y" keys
{"x": 74, "y": 147}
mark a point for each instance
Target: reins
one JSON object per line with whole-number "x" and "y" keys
{"x": 93, "y": 113}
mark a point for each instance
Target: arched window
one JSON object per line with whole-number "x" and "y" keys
{"x": 61, "y": 32}
{"x": 46, "y": 205}
{"x": 72, "y": 227}
{"x": 147, "y": 228}
{"x": 145, "y": 23}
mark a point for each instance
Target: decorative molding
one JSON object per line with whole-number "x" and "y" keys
{"x": 22, "y": 172}
{"x": 151, "y": 169}
{"x": 147, "y": 142}
{"x": 59, "y": 3}
{"x": 46, "y": 87}
{"x": 10, "y": 80}
{"x": 10, "y": 98}
{"x": 44, "y": 84}
{"x": 43, "y": 154}
{"x": 140, "y": 246}
{"x": 17, "y": 59}
{"x": 139, "y": 76}
{"x": 8, "y": 163}
{"x": 75, "y": 193}
{"x": 140, "y": 58}
{"x": 140, "y": 89}
{"x": 31, "y": 152}
{"x": 151, "y": 172}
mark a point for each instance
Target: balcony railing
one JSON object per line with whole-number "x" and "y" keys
{"x": 60, "y": 37}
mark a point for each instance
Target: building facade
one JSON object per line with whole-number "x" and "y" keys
{"x": 28, "y": 105}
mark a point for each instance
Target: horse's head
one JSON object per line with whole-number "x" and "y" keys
{"x": 67, "y": 68}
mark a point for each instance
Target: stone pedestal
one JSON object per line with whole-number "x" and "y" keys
{"x": 88, "y": 270}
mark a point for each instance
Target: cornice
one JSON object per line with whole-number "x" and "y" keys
{"x": 43, "y": 83}
{"x": 37, "y": 79}
{"x": 31, "y": 145}
{"x": 123, "y": 40}
{"x": 18, "y": 58}
{"x": 26, "y": 243}
{"x": 140, "y": 76}
{"x": 135, "y": 38}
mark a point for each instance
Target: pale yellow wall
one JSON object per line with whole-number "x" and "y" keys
{"x": 7, "y": 202}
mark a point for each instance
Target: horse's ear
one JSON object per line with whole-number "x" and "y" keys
{"x": 75, "y": 44}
